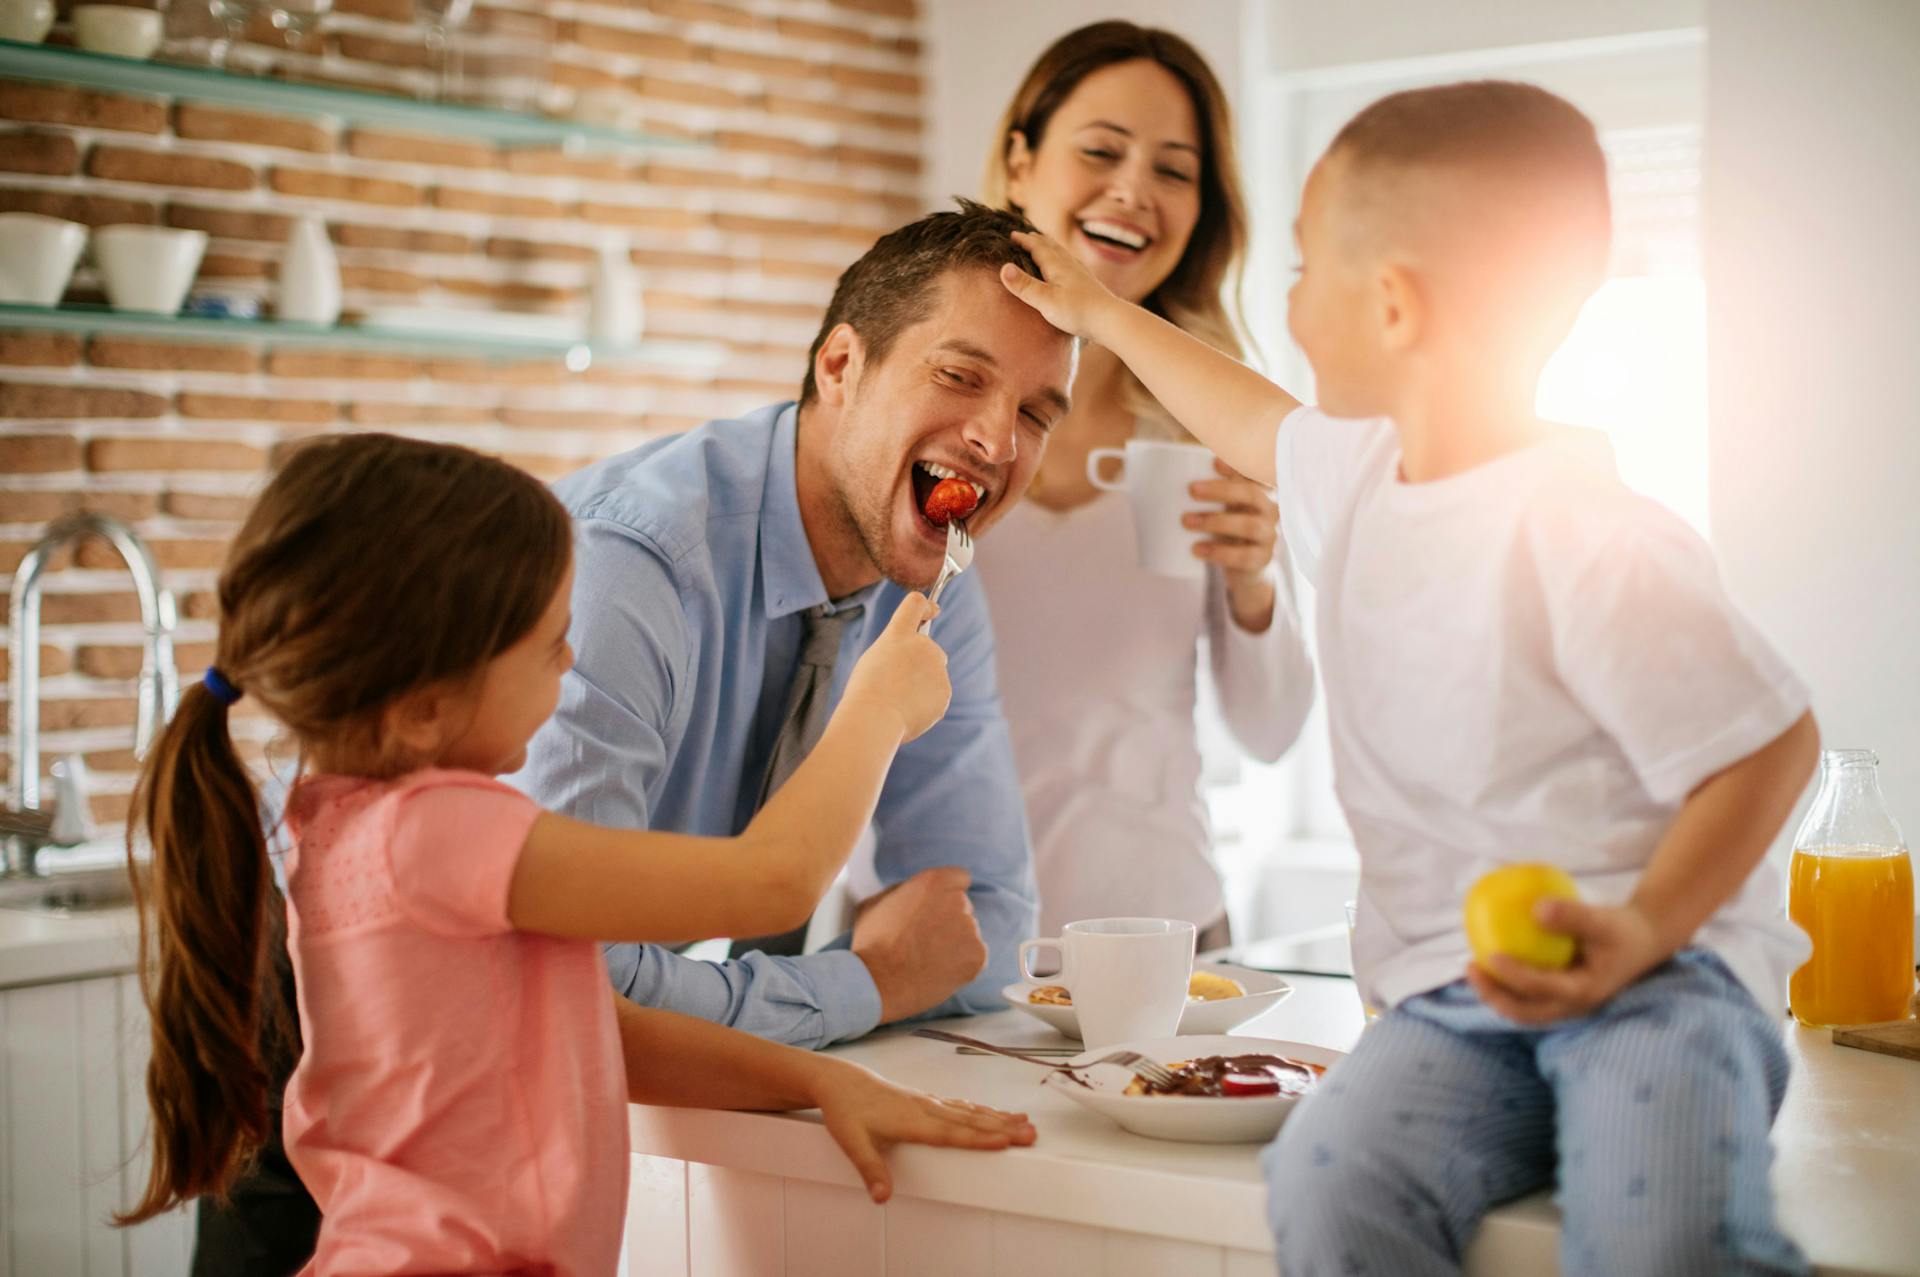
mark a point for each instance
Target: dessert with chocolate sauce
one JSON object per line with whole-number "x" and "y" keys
{"x": 1235, "y": 1075}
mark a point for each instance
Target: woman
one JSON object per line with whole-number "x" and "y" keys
{"x": 1119, "y": 146}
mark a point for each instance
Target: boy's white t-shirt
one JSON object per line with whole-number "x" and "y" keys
{"x": 1524, "y": 662}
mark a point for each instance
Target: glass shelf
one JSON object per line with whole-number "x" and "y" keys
{"x": 495, "y": 347}
{"x": 57, "y": 65}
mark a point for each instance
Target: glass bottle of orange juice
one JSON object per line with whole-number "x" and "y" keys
{"x": 1852, "y": 890}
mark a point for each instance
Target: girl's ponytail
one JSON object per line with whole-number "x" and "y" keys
{"x": 205, "y": 910}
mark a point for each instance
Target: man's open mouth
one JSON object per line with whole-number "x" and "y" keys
{"x": 926, "y": 476}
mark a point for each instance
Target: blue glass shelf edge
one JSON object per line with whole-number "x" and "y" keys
{"x": 578, "y": 355}
{"x": 53, "y": 64}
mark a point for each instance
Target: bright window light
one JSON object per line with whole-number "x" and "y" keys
{"x": 1635, "y": 367}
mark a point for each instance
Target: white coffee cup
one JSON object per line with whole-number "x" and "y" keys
{"x": 147, "y": 268}
{"x": 27, "y": 21}
{"x": 36, "y": 257}
{"x": 1128, "y": 976}
{"x": 120, "y": 30}
{"x": 1154, "y": 474}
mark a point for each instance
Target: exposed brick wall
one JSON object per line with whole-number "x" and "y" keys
{"x": 809, "y": 116}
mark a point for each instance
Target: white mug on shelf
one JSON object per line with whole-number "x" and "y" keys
{"x": 147, "y": 268}
{"x": 36, "y": 257}
{"x": 27, "y": 21}
{"x": 1127, "y": 976}
{"x": 120, "y": 30}
{"x": 1154, "y": 474}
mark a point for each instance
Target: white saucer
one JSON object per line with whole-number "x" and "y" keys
{"x": 1246, "y": 1119}
{"x": 1264, "y": 991}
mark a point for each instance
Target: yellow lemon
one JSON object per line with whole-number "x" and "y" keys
{"x": 1499, "y": 915}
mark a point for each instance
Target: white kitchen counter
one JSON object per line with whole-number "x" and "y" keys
{"x": 751, "y": 1194}
{"x": 39, "y": 948}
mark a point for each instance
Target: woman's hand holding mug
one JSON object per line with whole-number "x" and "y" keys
{"x": 1241, "y": 540}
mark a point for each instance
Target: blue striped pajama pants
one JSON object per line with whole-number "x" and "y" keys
{"x": 1651, "y": 1115}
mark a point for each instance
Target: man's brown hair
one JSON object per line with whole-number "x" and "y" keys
{"x": 891, "y": 287}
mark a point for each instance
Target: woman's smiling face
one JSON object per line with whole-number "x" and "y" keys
{"x": 1116, "y": 177}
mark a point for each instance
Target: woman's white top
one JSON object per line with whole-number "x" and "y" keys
{"x": 1098, "y": 673}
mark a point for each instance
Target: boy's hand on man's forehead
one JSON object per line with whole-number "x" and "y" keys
{"x": 1067, "y": 295}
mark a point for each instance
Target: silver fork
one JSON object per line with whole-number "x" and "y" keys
{"x": 1135, "y": 1063}
{"x": 959, "y": 559}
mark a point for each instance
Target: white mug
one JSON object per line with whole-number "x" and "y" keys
{"x": 36, "y": 257}
{"x": 121, "y": 30}
{"x": 1128, "y": 976}
{"x": 147, "y": 268}
{"x": 1154, "y": 474}
{"x": 27, "y": 21}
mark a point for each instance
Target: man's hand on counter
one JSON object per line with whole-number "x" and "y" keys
{"x": 920, "y": 941}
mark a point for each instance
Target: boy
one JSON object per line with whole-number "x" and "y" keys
{"x": 1524, "y": 661}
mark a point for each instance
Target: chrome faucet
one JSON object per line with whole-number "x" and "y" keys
{"x": 23, "y": 826}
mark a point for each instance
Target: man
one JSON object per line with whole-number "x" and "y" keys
{"x": 718, "y": 570}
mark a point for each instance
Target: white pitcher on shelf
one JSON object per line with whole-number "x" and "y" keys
{"x": 614, "y": 318}
{"x": 310, "y": 275}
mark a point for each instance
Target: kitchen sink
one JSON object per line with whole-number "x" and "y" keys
{"x": 74, "y": 891}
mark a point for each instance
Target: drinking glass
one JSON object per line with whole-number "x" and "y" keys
{"x": 195, "y": 33}
{"x": 1353, "y": 920}
{"x": 296, "y": 19}
{"x": 234, "y": 15}
{"x": 443, "y": 19}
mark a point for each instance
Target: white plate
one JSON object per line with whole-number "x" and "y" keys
{"x": 1264, "y": 991}
{"x": 1239, "y": 1119}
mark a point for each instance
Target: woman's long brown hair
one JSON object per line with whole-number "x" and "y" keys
{"x": 372, "y": 566}
{"x": 1202, "y": 294}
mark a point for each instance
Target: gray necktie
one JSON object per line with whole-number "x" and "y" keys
{"x": 800, "y": 729}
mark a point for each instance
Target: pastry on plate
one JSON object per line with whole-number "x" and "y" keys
{"x": 1202, "y": 986}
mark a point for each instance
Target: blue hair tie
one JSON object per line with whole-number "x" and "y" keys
{"x": 224, "y": 692}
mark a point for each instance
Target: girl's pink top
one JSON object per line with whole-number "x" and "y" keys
{"x": 460, "y": 1106}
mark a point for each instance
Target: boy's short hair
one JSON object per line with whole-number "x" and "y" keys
{"x": 891, "y": 287}
{"x": 1539, "y": 149}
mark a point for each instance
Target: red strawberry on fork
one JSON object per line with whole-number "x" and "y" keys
{"x": 950, "y": 499}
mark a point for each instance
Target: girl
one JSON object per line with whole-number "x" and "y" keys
{"x": 1118, "y": 146}
{"x": 402, "y": 607}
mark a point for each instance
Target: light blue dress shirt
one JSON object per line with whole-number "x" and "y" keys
{"x": 692, "y": 569}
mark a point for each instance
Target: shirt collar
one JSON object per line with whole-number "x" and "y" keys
{"x": 789, "y": 579}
